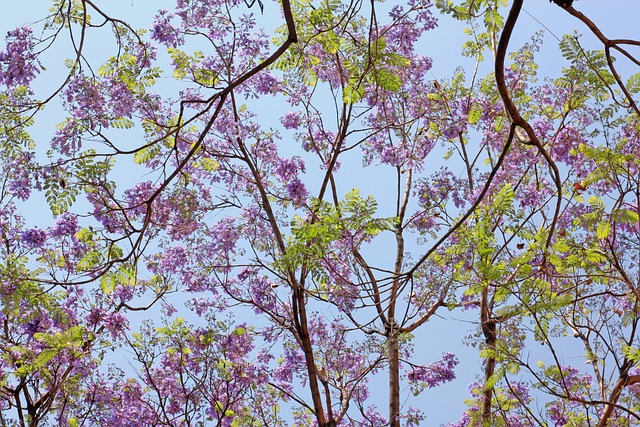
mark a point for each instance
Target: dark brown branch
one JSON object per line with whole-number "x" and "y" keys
{"x": 513, "y": 112}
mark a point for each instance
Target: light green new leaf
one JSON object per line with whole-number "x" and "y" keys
{"x": 603, "y": 230}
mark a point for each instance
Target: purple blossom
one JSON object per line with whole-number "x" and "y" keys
{"x": 32, "y": 327}
{"x": 123, "y": 293}
{"x": 86, "y": 101}
{"x": 435, "y": 374}
{"x": 138, "y": 195}
{"x": 287, "y": 169}
{"x": 201, "y": 305}
{"x": 414, "y": 417}
{"x": 291, "y": 120}
{"x": 634, "y": 388}
{"x": 267, "y": 83}
{"x": 238, "y": 343}
{"x": 66, "y": 225}
{"x": 20, "y": 188}
{"x": 122, "y": 101}
{"x": 168, "y": 309}
{"x": 164, "y": 32}
{"x": 374, "y": 418}
{"x": 557, "y": 414}
{"x": 297, "y": 191}
{"x": 117, "y": 324}
{"x": 224, "y": 238}
{"x": 574, "y": 381}
{"x": 18, "y": 65}
{"x": 261, "y": 290}
{"x": 174, "y": 260}
{"x": 465, "y": 421}
{"x": 67, "y": 139}
{"x": 34, "y": 237}
{"x": 19, "y": 169}
{"x": 95, "y": 316}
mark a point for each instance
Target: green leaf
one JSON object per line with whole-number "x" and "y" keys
{"x": 145, "y": 154}
{"x": 603, "y": 230}
{"x": 353, "y": 93}
{"x": 626, "y": 216}
{"x": 631, "y": 353}
{"x": 475, "y": 114}
{"x": 122, "y": 123}
{"x": 633, "y": 84}
{"x": 388, "y": 80}
{"x": 596, "y": 203}
{"x": 107, "y": 284}
{"x": 330, "y": 42}
{"x": 595, "y": 256}
{"x": 493, "y": 380}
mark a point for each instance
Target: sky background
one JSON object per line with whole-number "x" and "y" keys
{"x": 616, "y": 18}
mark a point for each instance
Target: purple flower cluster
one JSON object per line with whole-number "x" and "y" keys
{"x": 34, "y": 237}
{"x": 20, "y": 187}
{"x": 84, "y": 97}
{"x": 67, "y": 140}
{"x": 267, "y": 83}
{"x": 291, "y": 120}
{"x": 260, "y": 290}
{"x": 174, "y": 260}
{"x": 163, "y": 30}
{"x": 18, "y": 63}
{"x": 406, "y": 33}
{"x": 436, "y": 373}
{"x": 66, "y": 225}
{"x": 114, "y": 322}
{"x": 571, "y": 379}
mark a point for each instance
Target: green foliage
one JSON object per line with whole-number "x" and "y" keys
{"x": 13, "y": 123}
{"x": 481, "y": 235}
{"x": 470, "y": 9}
{"x": 183, "y": 62}
{"x": 631, "y": 353}
{"x": 475, "y": 113}
{"x": 68, "y": 12}
{"x": 59, "y": 194}
{"x": 588, "y": 75}
{"x": 633, "y": 83}
{"x": 67, "y": 343}
{"x": 70, "y": 342}
{"x": 143, "y": 155}
{"x": 358, "y": 61}
{"x": 311, "y": 238}
{"x": 63, "y": 185}
{"x": 123, "y": 275}
{"x": 480, "y": 39}
{"x": 125, "y": 68}
{"x": 532, "y": 285}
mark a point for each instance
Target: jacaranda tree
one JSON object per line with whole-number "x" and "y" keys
{"x": 246, "y": 213}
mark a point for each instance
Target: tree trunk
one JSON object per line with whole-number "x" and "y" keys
{"x": 488, "y": 326}
{"x": 305, "y": 342}
{"x": 394, "y": 376}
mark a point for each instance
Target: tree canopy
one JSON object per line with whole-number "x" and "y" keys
{"x": 252, "y": 213}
